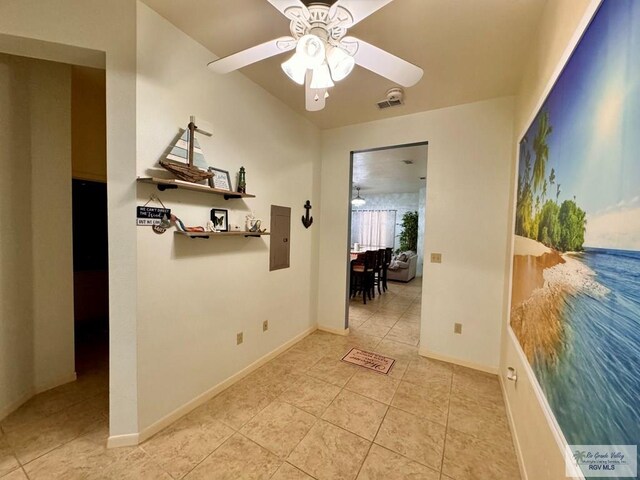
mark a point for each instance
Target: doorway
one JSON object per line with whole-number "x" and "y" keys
{"x": 52, "y": 375}
{"x": 89, "y": 220}
{"x": 386, "y": 245}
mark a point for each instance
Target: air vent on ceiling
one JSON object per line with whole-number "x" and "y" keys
{"x": 395, "y": 97}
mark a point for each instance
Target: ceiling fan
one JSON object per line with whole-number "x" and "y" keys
{"x": 324, "y": 54}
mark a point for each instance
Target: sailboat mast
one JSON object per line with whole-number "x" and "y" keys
{"x": 192, "y": 130}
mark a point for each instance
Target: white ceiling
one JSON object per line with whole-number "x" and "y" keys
{"x": 384, "y": 171}
{"x": 470, "y": 50}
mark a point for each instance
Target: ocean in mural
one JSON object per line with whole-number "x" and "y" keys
{"x": 576, "y": 277}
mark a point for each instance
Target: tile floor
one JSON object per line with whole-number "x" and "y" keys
{"x": 394, "y": 315}
{"x": 303, "y": 415}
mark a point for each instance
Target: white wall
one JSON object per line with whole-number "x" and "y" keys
{"x": 537, "y": 438}
{"x": 50, "y": 104}
{"x": 36, "y": 293}
{"x": 16, "y": 305}
{"x": 107, "y": 29}
{"x": 467, "y": 197}
{"x": 195, "y": 295}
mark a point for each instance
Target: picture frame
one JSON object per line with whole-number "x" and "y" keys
{"x": 220, "y": 219}
{"x": 221, "y": 179}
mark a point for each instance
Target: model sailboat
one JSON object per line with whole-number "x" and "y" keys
{"x": 186, "y": 160}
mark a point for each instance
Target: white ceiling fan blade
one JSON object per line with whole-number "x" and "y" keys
{"x": 384, "y": 63}
{"x": 253, "y": 55}
{"x": 283, "y": 5}
{"x": 314, "y": 97}
{"x": 360, "y": 9}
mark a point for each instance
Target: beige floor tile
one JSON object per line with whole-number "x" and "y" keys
{"x": 383, "y": 464}
{"x": 332, "y": 371}
{"x": 425, "y": 371}
{"x": 373, "y": 329}
{"x": 477, "y": 383}
{"x": 330, "y": 453}
{"x": 238, "y": 404}
{"x": 408, "y": 333}
{"x": 373, "y": 385}
{"x": 430, "y": 402}
{"x": 465, "y": 415}
{"x": 356, "y": 321}
{"x": 469, "y": 458}
{"x": 414, "y": 437}
{"x": 279, "y": 427}
{"x": 410, "y": 318}
{"x": 361, "y": 340}
{"x": 355, "y": 413}
{"x": 386, "y": 319}
{"x": 289, "y": 472}
{"x": 398, "y": 350}
{"x": 237, "y": 458}
{"x": 138, "y": 465}
{"x": 298, "y": 360}
{"x": 86, "y": 457}
{"x": 184, "y": 444}
{"x": 17, "y": 474}
{"x": 8, "y": 461}
{"x": 33, "y": 439}
{"x": 311, "y": 395}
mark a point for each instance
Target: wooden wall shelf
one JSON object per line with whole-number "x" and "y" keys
{"x": 170, "y": 184}
{"x": 221, "y": 234}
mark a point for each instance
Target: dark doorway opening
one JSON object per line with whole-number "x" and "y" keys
{"x": 90, "y": 275}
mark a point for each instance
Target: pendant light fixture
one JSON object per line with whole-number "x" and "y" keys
{"x": 358, "y": 201}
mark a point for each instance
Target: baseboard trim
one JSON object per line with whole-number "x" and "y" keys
{"x": 117, "y": 441}
{"x": 72, "y": 377}
{"x": 137, "y": 438}
{"x": 32, "y": 392}
{"x": 13, "y": 406}
{"x": 458, "y": 361}
{"x": 512, "y": 427}
{"x": 335, "y": 331}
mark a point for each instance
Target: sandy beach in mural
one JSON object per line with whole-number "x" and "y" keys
{"x": 542, "y": 277}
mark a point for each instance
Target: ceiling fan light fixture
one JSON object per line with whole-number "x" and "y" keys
{"x": 321, "y": 78}
{"x": 340, "y": 63}
{"x": 358, "y": 201}
{"x": 295, "y": 69}
{"x": 311, "y": 51}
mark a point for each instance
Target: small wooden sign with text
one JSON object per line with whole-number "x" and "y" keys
{"x": 147, "y": 216}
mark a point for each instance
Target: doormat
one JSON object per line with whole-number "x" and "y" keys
{"x": 372, "y": 361}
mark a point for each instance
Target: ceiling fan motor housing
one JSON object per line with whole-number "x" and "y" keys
{"x": 320, "y": 2}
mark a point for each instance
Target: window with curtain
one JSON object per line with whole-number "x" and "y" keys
{"x": 373, "y": 228}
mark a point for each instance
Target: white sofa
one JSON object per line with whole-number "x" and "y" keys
{"x": 403, "y": 267}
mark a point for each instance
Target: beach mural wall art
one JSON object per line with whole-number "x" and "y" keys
{"x": 575, "y": 300}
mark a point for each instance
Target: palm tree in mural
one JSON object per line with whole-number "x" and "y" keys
{"x": 541, "y": 149}
{"x": 580, "y": 456}
{"x": 557, "y": 192}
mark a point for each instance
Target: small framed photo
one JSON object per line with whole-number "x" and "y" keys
{"x": 220, "y": 180}
{"x": 220, "y": 219}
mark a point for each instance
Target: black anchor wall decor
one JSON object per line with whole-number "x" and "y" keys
{"x": 307, "y": 220}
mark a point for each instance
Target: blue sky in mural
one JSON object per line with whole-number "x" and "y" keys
{"x": 594, "y": 109}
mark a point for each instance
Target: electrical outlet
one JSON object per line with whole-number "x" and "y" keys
{"x": 239, "y": 338}
{"x": 457, "y": 328}
{"x": 265, "y": 325}
{"x": 436, "y": 258}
